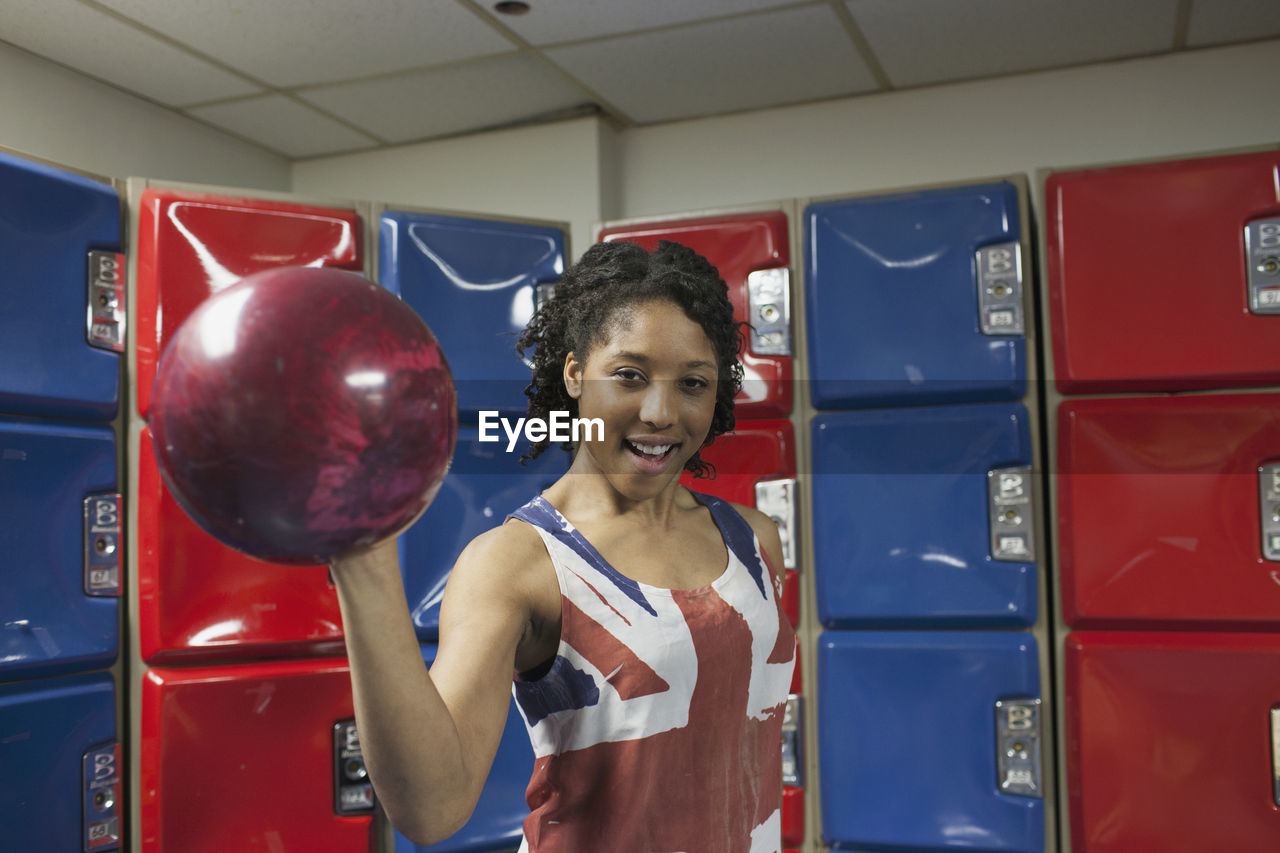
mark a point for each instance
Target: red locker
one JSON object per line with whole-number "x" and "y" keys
{"x": 243, "y": 758}
{"x": 1160, "y": 520}
{"x": 1170, "y": 742}
{"x": 1153, "y": 285}
{"x": 192, "y": 244}
{"x": 741, "y": 245}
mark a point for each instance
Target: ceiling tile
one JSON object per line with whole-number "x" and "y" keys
{"x": 294, "y": 42}
{"x": 928, "y": 41}
{"x": 450, "y": 100}
{"x": 1222, "y": 21}
{"x": 284, "y": 125}
{"x": 101, "y": 46}
{"x": 550, "y": 21}
{"x": 743, "y": 63}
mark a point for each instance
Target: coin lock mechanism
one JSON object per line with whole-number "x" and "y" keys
{"x": 999, "y": 269}
{"x": 102, "y": 545}
{"x": 1262, "y": 265}
{"x": 1275, "y": 754}
{"x": 352, "y": 790}
{"x": 769, "y": 303}
{"x": 100, "y": 769}
{"x": 1018, "y": 747}
{"x": 793, "y": 744}
{"x": 1010, "y": 508}
{"x": 106, "y": 311}
{"x": 777, "y": 499}
{"x": 1269, "y": 507}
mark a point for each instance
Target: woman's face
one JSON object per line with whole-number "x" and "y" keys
{"x": 652, "y": 381}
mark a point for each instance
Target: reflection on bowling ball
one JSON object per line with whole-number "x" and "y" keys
{"x": 302, "y": 413}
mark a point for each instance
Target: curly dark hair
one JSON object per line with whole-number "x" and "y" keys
{"x": 614, "y": 276}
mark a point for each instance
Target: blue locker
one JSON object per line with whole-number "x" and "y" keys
{"x": 497, "y": 823}
{"x": 907, "y": 738}
{"x": 475, "y": 283}
{"x": 485, "y": 483}
{"x": 50, "y": 220}
{"x": 892, "y": 299}
{"x": 57, "y": 614}
{"x": 48, "y": 728}
{"x": 902, "y": 518}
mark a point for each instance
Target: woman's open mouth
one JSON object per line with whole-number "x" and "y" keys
{"x": 650, "y": 457}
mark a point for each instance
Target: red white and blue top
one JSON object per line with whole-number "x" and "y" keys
{"x": 658, "y": 726}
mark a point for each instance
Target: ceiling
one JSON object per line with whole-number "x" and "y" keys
{"x": 307, "y": 78}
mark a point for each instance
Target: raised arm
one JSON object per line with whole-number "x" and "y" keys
{"x": 429, "y": 739}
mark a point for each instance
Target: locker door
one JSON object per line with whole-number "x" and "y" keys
{"x": 61, "y": 762}
{"x": 498, "y": 821}
{"x": 923, "y": 517}
{"x": 200, "y": 600}
{"x": 1162, "y": 509}
{"x": 752, "y": 253}
{"x": 484, "y": 484}
{"x": 61, "y": 537}
{"x": 52, "y": 361}
{"x": 915, "y": 298}
{"x": 1165, "y": 276}
{"x": 910, "y": 740}
{"x": 474, "y": 281}
{"x": 1172, "y": 740}
{"x": 193, "y": 244}
{"x": 246, "y": 757}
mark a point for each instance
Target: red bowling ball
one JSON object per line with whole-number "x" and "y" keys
{"x": 303, "y": 413}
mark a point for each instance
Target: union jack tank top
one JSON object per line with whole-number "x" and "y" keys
{"x": 658, "y": 726}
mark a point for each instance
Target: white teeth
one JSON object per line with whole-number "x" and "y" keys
{"x": 651, "y": 451}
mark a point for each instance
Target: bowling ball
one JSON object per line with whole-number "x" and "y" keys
{"x": 303, "y": 413}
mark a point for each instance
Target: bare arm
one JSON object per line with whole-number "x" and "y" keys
{"x": 429, "y": 739}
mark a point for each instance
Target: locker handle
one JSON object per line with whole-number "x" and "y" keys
{"x": 1275, "y": 754}
{"x": 106, "y": 301}
{"x": 1269, "y": 509}
{"x": 1262, "y": 265}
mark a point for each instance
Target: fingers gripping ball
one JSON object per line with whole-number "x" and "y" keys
{"x": 303, "y": 413}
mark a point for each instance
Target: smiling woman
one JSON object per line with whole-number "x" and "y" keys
{"x": 643, "y": 620}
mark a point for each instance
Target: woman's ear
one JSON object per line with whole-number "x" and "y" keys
{"x": 573, "y": 375}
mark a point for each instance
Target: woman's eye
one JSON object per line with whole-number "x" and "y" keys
{"x": 695, "y": 383}
{"x": 626, "y": 374}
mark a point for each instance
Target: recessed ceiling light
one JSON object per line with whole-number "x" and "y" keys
{"x": 511, "y": 7}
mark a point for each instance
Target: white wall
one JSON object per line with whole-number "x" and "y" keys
{"x": 59, "y": 115}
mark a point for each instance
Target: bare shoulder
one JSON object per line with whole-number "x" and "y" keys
{"x": 766, "y": 530}
{"x": 501, "y": 563}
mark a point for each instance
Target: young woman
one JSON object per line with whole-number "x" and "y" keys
{"x": 642, "y": 621}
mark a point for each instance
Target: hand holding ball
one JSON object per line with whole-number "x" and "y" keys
{"x": 303, "y": 413}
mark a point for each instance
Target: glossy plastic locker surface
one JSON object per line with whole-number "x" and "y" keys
{"x": 46, "y": 728}
{"x": 754, "y": 452}
{"x": 1147, "y": 275}
{"x": 1171, "y": 740}
{"x": 485, "y": 483}
{"x": 475, "y": 282}
{"x": 497, "y": 823}
{"x": 50, "y": 220}
{"x": 1160, "y": 516}
{"x": 49, "y": 620}
{"x": 192, "y": 244}
{"x": 738, "y": 245}
{"x": 907, "y": 740}
{"x": 901, "y": 517}
{"x": 242, "y": 758}
{"x": 892, "y": 298}
{"x": 199, "y": 600}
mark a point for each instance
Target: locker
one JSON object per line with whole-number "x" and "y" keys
{"x": 62, "y": 542}
{"x": 199, "y": 600}
{"x": 1165, "y": 276}
{"x": 247, "y": 757}
{"x": 912, "y": 743}
{"x": 1170, "y": 741}
{"x": 58, "y": 746}
{"x": 498, "y": 821}
{"x": 924, "y": 517}
{"x": 192, "y": 244}
{"x": 484, "y": 484}
{"x": 475, "y": 282}
{"x": 752, "y": 253}
{"x": 60, "y": 238}
{"x": 1164, "y": 505}
{"x": 916, "y": 298}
